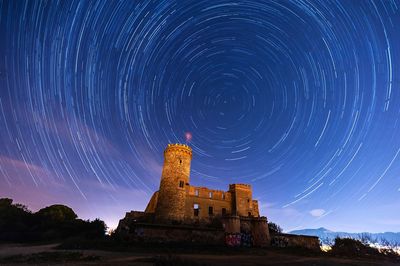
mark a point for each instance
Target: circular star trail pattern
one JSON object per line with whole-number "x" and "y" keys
{"x": 300, "y": 99}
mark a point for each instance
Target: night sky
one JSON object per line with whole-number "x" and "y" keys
{"x": 300, "y": 99}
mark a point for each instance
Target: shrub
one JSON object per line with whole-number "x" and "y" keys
{"x": 274, "y": 228}
{"x": 352, "y": 247}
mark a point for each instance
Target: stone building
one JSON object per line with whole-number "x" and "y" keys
{"x": 180, "y": 206}
{"x": 178, "y": 200}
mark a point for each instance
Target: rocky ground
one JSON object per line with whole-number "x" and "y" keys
{"x": 11, "y": 254}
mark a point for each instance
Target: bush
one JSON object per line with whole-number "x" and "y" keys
{"x": 351, "y": 247}
{"x": 56, "y": 214}
{"x": 15, "y": 220}
{"x": 274, "y": 228}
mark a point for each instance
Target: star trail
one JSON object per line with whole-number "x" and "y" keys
{"x": 300, "y": 99}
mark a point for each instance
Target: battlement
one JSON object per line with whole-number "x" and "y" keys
{"x": 209, "y": 189}
{"x": 239, "y": 186}
{"x": 207, "y": 193}
{"x": 179, "y": 147}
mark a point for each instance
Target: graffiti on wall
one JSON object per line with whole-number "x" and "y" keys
{"x": 238, "y": 240}
{"x": 279, "y": 241}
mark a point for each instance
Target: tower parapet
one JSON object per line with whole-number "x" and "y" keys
{"x": 180, "y": 148}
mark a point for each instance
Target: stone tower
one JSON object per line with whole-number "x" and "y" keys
{"x": 174, "y": 183}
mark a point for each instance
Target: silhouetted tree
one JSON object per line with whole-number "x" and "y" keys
{"x": 57, "y": 213}
{"x": 274, "y": 228}
{"x": 5, "y": 202}
{"x": 17, "y": 223}
{"x": 352, "y": 247}
{"x": 15, "y": 219}
{"x": 97, "y": 228}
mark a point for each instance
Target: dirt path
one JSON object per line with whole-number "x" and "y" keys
{"x": 18, "y": 249}
{"x": 145, "y": 259}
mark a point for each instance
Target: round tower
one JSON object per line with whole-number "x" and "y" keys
{"x": 174, "y": 183}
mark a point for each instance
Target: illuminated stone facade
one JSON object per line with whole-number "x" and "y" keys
{"x": 177, "y": 200}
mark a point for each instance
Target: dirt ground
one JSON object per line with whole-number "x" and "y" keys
{"x": 99, "y": 257}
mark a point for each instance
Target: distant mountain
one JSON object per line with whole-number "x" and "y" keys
{"x": 327, "y": 236}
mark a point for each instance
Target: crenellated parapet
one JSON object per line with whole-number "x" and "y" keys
{"x": 239, "y": 186}
{"x": 180, "y": 148}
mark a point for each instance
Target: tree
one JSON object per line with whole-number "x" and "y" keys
{"x": 352, "y": 247}
{"x": 57, "y": 213}
{"x": 5, "y": 202}
{"x": 274, "y": 228}
{"x": 98, "y": 228}
{"x": 15, "y": 219}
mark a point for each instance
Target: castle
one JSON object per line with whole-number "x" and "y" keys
{"x": 192, "y": 212}
{"x": 178, "y": 200}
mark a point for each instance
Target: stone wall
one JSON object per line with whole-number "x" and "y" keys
{"x": 257, "y": 227}
{"x": 156, "y": 233}
{"x": 260, "y": 232}
{"x": 289, "y": 240}
{"x": 217, "y": 200}
{"x": 204, "y": 192}
{"x": 231, "y": 224}
{"x": 140, "y": 227}
{"x": 151, "y": 206}
{"x": 256, "y": 211}
{"x": 133, "y": 217}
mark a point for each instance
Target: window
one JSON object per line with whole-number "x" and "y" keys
{"x": 210, "y": 195}
{"x": 249, "y": 213}
{"x": 180, "y": 161}
{"x": 248, "y": 200}
{"x": 196, "y": 208}
{"x": 223, "y": 211}
{"x": 196, "y": 192}
{"x": 210, "y": 211}
{"x": 181, "y": 183}
{"x": 223, "y": 195}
